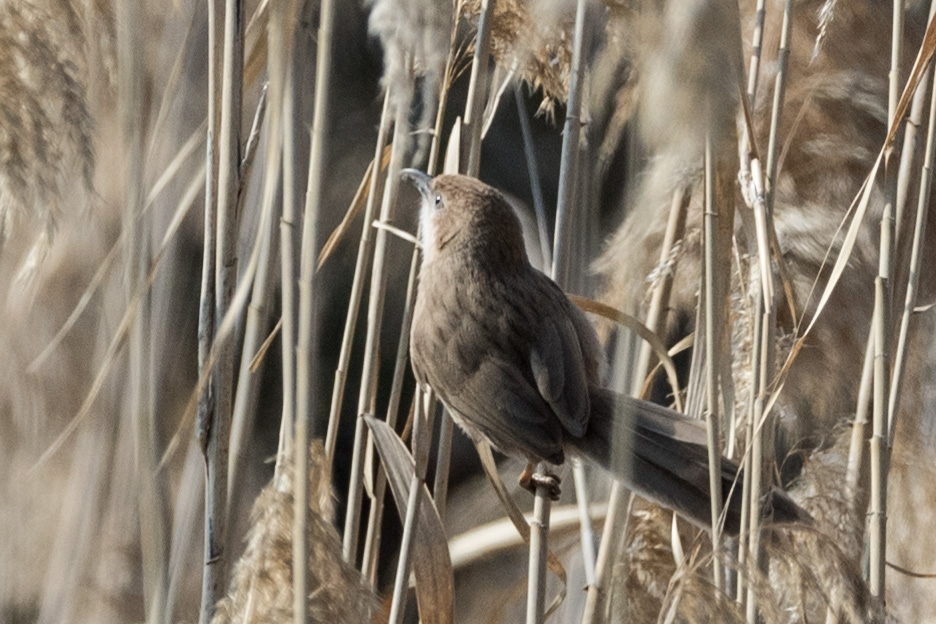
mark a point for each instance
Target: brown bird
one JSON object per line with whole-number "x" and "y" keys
{"x": 518, "y": 364}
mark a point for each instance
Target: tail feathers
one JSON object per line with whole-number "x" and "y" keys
{"x": 662, "y": 455}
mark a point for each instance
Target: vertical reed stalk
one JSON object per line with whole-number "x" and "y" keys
{"x": 616, "y": 517}
{"x": 257, "y": 323}
{"x": 919, "y": 230}
{"x": 757, "y": 42}
{"x": 216, "y": 430}
{"x": 877, "y": 512}
{"x": 712, "y": 319}
{"x": 206, "y": 295}
{"x": 539, "y": 527}
{"x": 367, "y": 396}
{"x": 308, "y": 313}
{"x": 477, "y": 87}
{"x": 858, "y": 439}
{"x": 773, "y": 147}
{"x": 278, "y": 65}
{"x": 762, "y": 358}
{"x": 536, "y": 189}
{"x": 375, "y": 515}
{"x": 151, "y": 503}
{"x": 446, "y": 425}
{"x": 539, "y": 548}
{"x": 365, "y": 251}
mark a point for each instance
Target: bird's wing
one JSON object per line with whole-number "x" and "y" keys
{"x": 510, "y": 413}
{"x": 559, "y": 371}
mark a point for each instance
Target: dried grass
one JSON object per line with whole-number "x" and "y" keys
{"x": 46, "y": 128}
{"x": 261, "y": 584}
{"x": 536, "y": 38}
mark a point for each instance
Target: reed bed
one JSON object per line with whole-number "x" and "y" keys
{"x": 209, "y": 415}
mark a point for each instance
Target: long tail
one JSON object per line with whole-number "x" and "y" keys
{"x": 662, "y": 455}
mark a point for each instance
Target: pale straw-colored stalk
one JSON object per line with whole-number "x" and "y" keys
{"x": 477, "y": 87}
{"x": 764, "y": 337}
{"x": 368, "y": 391}
{"x": 277, "y": 66}
{"x": 712, "y": 305}
{"x": 375, "y": 515}
{"x": 912, "y": 272}
{"x": 151, "y": 503}
{"x": 373, "y": 535}
{"x": 883, "y": 295}
{"x": 258, "y": 320}
{"x": 619, "y": 499}
{"x": 365, "y": 251}
{"x": 559, "y": 271}
{"x": 306, "y": 384}
{"x": 757, "y": 42}
{"x": 536, "y": 188}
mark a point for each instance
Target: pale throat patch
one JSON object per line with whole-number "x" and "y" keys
{"x": 427, "y": 229}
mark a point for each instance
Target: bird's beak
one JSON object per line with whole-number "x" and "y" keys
{"x": 420, "y": 180}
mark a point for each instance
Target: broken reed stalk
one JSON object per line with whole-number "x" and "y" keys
{"x": 376, "y": 299}
{"x": 308, "y": 310}
{"x": 151, "y": 505}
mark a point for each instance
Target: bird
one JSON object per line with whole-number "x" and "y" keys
{"x": 519, "y": 365}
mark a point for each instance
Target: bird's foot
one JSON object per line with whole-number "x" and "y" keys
{"x": 530, "y": 480}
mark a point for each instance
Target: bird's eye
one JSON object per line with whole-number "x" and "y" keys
{"x": 438, "y": 200}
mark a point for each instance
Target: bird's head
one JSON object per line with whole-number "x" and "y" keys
{"x": 460, "y": 214}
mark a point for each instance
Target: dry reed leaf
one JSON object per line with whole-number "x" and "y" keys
{"x": 357, "y": 204}
{"x": 432, "y": 565}
{"x": 633, "y": 323}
